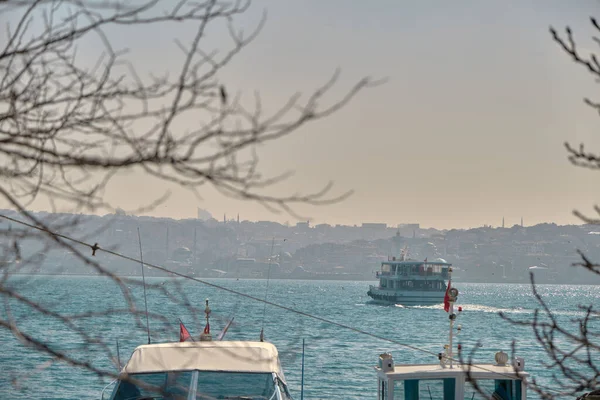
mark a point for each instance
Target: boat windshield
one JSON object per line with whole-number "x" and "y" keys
{"x": 444, "y": 389}
{"x": 206, "y": 385}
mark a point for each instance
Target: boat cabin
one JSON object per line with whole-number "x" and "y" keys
{"x": 498, "y": 381}
{"x": 450, "y": 380}
{"x": 201, "y": 371}
{"x": 405, "y": 268}
{"x": 414, "y": 275}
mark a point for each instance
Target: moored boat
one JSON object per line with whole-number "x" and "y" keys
{"x": 452, "y": 378}
{"x": 202, "y": 370}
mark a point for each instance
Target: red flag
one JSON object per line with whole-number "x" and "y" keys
{"x": 207, "y": 328}
{"x": 183, "y": 333}
{"x": 447, "y": 299}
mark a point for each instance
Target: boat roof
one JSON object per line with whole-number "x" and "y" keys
{"x": 436, "y": 371}
{"x": 416, "y": 262}
{"x": 232, "y": 356}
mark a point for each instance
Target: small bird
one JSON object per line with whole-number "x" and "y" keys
{"x": 94, "y": 248}
{"x": 17, "y": 251}
{"x": 223, "y": 95}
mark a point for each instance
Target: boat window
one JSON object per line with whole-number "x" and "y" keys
{"x": 383, "y": 395}
{"x": 425, "y": 389}
{"x": 499, "y": 389}
{"x": 222, "y": 385}
{"x": 285, "y": 394}
{"x": 156, "y": 385}
{"x": 211, "y": 385}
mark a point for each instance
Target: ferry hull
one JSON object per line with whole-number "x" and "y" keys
{"x": 412, "y": 298}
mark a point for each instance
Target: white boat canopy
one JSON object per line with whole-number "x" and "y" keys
{"x": 232, "y": 356}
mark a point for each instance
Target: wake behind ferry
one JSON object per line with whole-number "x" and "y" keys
{"x": 411, "y": 282}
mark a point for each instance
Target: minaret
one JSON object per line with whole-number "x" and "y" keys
{"x": 397, "y": 241}
{"x": 194, "y": 247}
{"x": 521, "y": 222}
{"x": 238, "y": 218}
{"x": 502, "y": 222}
{"x": 224, "y": 219}
{"x": 167, "y": 243}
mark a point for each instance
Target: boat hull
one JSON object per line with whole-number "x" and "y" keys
{"x": 406, "y": 298}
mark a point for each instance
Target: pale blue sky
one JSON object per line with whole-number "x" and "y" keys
{"x": 469, "y": 128}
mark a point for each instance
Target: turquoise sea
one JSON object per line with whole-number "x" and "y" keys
{"x": 338, "y": 362}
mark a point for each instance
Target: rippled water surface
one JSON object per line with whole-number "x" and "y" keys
{"x": 338, "y": 362}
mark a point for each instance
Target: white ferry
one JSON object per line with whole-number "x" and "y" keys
{"x": 411, "y": 282}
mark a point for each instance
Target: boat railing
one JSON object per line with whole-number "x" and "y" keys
{"x": 106, "y": 387}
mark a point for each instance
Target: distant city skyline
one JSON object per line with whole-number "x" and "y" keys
{"x": 235, "y": 217}
{"x": 469, "y": 128}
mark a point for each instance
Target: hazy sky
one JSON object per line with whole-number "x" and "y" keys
{"x": 468, "y": 129}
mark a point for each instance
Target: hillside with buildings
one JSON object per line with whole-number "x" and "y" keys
{"x": 205, "y": 247}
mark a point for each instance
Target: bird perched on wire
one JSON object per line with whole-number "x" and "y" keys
{"x": 94, "y": 248}
{"x": 223, "y": 95}
{"x": 17, "y": 251}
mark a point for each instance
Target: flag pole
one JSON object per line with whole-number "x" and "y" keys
{"x": 144, "y": 283}
{"x": 302, "y": 381}
{"x": 450, "y": 311}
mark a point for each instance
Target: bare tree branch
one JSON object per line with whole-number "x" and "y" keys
{"x": 69, "y": 124}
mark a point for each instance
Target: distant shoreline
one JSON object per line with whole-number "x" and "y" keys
{"x": 319, "y": 279}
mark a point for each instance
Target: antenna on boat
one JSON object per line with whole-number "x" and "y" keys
{"x": 144, "y": 284}
{"x": 118, "y": 357}
{"x": 224, "y": 331}
{"x": 449, "y": 300}
{"x": 262, "y": 328}
{"x": 302, "y": 379}
{"x": 206, "y": 336}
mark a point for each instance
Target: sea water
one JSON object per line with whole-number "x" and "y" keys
{"x": 338, "y": 361}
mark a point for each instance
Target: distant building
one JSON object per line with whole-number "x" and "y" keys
{"x": 409, "y": 226}
{"x": 373, "y": 225}
{"x": 322, "y": 227}
{"x": 303, "y": 225}
{"x": 204, "y": 215}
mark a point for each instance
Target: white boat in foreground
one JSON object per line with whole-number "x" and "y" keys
{"x": 203, "y": 370}
{"x": 450, "y": 380}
